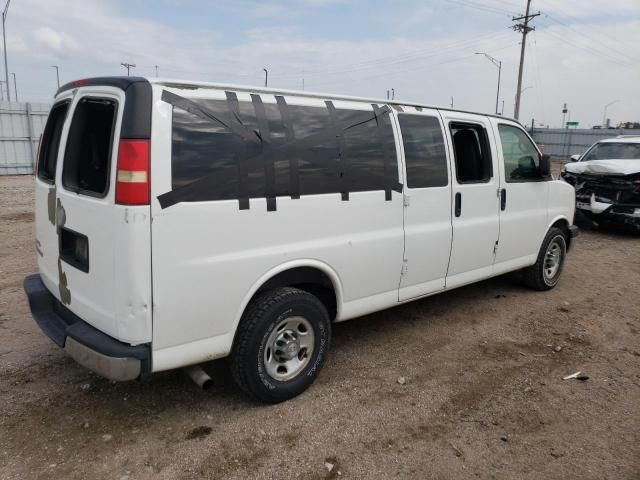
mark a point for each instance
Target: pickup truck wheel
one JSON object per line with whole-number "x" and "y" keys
{"x": 281, "y": 344}
{"x": 545, "y": 273}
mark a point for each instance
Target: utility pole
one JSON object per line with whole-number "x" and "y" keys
{"x": 128, "y": 66}
{"x": 524, "y": 28}
{"x": 393, "y": 94}
{"x": 4, "y": 41}
{"x": 451, "y": 101}
{"x": 15, "y": 86}
{"x": 564, "y": 113}
{"x": 266, "y": 77}
{"x": 156, "y": 67}
{"x": 497, "y": 63}
{"x": 57, "y": 74}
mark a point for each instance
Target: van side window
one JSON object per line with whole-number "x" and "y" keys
{"x": 520, "y": 156}
{"x": 472, "y": 153}
{"x": 50, "y": 143}
{"x": 205, "y": 150}
{"x": 88, "y": 153}
{"x": 424, "y": 151}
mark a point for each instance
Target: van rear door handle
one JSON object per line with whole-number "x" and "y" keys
{"x": 458, "y": 205}
{"x": 503, "y": 199}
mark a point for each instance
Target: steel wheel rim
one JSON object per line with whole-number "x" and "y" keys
{"x": 289, "y": 348}
{"x": 552, "y": 260}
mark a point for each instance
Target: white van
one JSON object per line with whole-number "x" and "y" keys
{"x": 177, "y": 223}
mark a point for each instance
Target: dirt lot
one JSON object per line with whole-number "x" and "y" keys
{"x": 483, "y": 398}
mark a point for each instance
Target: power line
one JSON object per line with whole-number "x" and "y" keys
{"x": 589, "y": 50}
{"x": 601, "y": 46}
{"x": 481, "y": 6}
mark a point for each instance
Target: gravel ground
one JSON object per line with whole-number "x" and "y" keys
{"x": 483, "y": 395}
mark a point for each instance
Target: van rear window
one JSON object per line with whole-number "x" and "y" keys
{"x": 50, "y": 143}
{"x": 88, "y": 153}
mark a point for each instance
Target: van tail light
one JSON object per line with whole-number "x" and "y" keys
{"x": 133, "y": 177}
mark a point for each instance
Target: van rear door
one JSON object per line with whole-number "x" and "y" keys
{"x": 96, "y": 254}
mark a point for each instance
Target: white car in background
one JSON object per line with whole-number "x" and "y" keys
{"x": 607, "y": 180}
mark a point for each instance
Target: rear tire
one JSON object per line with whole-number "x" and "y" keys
{"x": 545, "y": 273}
{"x": 281, "y": 344}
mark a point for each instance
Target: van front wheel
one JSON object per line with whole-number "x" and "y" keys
{"x": 280, "y": 345}
{"x": 545, "y": 273}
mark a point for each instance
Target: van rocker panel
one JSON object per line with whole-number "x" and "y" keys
{"x": 87, "y": 345}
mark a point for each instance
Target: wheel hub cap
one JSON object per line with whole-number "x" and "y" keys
{"x": 289, "y": 348}
{"x": 552, "y": 260}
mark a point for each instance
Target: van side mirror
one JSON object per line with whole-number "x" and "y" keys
{"x": 545, "y": 166}
{"x": 575, "y": 158}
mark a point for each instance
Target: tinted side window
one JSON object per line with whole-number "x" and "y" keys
{"x": 207, "y": 150}
{"x": 50, "y": 143}
{"x": 88, "y": 154}
{"x": 521, "y": 158}
{"x": 424, "y": 151}
{"x": 472, "y": 153}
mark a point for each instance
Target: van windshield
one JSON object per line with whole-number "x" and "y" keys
{"x": 613, "y": 151}
{"x": 88, "y": 153}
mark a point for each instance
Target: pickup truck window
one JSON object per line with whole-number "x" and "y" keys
{"x": 424, "y": 151}
{"x": 521, "y": 158}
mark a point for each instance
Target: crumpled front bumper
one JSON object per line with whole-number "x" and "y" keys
{"x": 87, "y": 345}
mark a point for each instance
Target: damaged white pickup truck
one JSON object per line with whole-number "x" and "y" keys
{"x": 607, "y": 181}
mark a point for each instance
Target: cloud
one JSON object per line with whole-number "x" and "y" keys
{"x": 423, "y": 61}
{"x": 57, "y": 41}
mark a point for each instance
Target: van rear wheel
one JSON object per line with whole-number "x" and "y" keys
{"x": 545, "y": 273}
{"x": 281, "y": 344}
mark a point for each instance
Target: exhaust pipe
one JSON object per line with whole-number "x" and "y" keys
{"x": 199, "y": 377}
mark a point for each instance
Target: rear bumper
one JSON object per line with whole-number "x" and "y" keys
{"x": 87, "y": 345}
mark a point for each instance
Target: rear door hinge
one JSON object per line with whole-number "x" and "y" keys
{"x": 407, "y": 200}
{"x": 495, "y": 248}
{"x": 405, "y": 267}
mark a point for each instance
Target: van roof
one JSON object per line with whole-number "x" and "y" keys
{"x": 125, "y": 82}
{"x": 622, "y": 139}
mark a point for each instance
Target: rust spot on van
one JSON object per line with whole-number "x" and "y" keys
{"x": 63, "y": 287}
{"x": 51, "y": 205}
{"x": 65, "y": 293}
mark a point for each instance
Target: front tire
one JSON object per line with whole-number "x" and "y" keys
{"x": 281, "y": 344}
{"x": 545, "y": 273}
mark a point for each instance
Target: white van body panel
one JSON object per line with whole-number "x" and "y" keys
{"x": 204, "y": 270}
{"x": 114, "y": 296}
{"x": 476, "y": 231}
{"x": 428, "y": 231}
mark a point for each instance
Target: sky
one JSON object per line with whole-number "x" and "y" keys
{"x": 585, "y": 53}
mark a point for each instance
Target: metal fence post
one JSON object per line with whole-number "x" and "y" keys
{"x": 32, "y": 155}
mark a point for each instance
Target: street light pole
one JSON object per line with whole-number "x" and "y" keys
{"x": 4, "y": 41}
{"x": 15, "y": 86}
{"x": 497, "y": 63}
{"x": 604, "y": 114}
{"x": 57, "y": 75}
{"x": 266, "y": 77}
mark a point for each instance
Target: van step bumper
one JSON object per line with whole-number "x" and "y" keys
{"x": 87, "y": 345}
